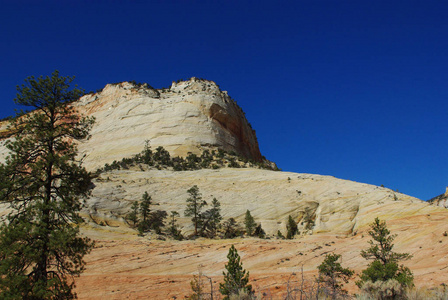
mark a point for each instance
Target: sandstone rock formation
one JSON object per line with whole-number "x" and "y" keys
{"x": 190, "y": 116}
{"x": 126, "y": 266}
{"x": 441, "y": 200}
{"x": 319, "y": 204}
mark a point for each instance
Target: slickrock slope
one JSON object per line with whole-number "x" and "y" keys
{"x": 321, "y": 203}
{"x": 126, "y": 266}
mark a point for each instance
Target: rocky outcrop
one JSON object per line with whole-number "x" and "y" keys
{"x": 190, "y": 116}
{"x": 333, "y": 215}
{"x": 441, "y": 200}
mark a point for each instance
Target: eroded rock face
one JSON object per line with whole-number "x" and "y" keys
{"x": 441, "y": 200}
{"x": 189, "y": 117}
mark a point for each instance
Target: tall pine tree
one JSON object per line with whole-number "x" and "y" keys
{"x": 194, "y": 207}
{"x": 144, "y": 225}
{"x": 211, "y": 220}
{"x": 250, "y": 224}
{"x": 44, "y": 184}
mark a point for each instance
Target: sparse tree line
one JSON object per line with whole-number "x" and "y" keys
{"x": 161, "y": 159}
{"x": 384, "y": 277}
{"x": 206, "y": 219}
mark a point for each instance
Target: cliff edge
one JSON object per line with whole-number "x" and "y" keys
{"x": 190, "y": 116}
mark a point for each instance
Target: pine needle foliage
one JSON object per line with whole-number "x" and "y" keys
{"x": 291, "y": 228}
{"x": 331, "y": 273}
{"x": 211, "y": 220}
{"x": 384, "y": 265}
{"x": 143, "y": 218}
{"x": 249, "y": 223}
{"x": 44, "y": 184}
{"x": 173, "y": 228}
{"x": 231, "y": 229}
{"x": 144, "y": 224}
{"x": 194, "y": 207}
{"x": 236, "y": 279}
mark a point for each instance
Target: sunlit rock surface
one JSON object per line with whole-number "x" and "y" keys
{"x": 191, "y": 116}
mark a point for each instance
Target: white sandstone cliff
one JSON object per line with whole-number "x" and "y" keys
{"x": 191, "y": 116}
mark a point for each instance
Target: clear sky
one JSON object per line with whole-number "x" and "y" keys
{"x": 353, "y": 89}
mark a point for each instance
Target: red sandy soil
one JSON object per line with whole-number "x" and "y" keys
{"x": 130, "y": 267}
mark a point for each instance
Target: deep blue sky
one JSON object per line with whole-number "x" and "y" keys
{"x": 353, "y": 89}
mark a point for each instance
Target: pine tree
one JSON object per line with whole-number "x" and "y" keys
{"x": 44, "y": 184}
{"x": 236, "y": 279}
{"x": 132, "y": 217}
{"x": 211, "y": 220}
{"x": 173, "y": 228}
{"x": 291, "y": 228}
{"x": 259, "y": 232}
{"x": 280, "y": 235}
{"x": 230, "y": 229}
{"x": 157, "y": 220}
{"x": 142, "y": 217}
{"x": 197, "y": 287}
{"x": 194, "y": 207}
{"x": 331, "y": 273}
{"x": 144, "y": 224}
{"x": 384, "y": 265}
{"x": 144, "y": 206}
{"x": 250, "y": 224}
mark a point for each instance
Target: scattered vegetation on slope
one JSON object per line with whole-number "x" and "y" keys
{"x": 162, "y": 160}
{"x": 206, "y": 219}
{"x": 331, "y": 276}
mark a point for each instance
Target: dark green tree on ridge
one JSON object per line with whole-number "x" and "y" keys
{"x": 291, "y": 228}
